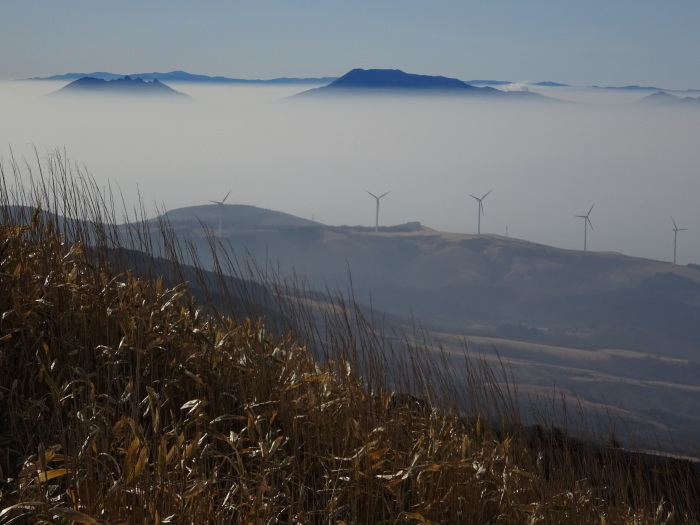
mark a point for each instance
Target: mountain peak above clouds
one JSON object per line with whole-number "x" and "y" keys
{"x": 661, "y": 98}
{"x": 120, "y": 86}
{"x": 394, "y": 81}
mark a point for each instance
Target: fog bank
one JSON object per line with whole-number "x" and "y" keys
{"x": 544, "y": 163}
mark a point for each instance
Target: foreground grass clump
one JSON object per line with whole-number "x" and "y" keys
{"x": 123, "y": 402}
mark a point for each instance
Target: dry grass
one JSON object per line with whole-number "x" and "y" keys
{"x": 127, "y": 400}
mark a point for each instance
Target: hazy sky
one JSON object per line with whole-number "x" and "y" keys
{"x": 602, "y": 42}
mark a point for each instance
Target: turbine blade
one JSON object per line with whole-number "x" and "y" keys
{"x": 383, "y": 194}
{"x": 589, "y": 211}
{"x": 674, "y": 224}
{"x": 590, "y": 223}
{"x": 473, "y": 197}
{"x": 372, "y": 194}
{"x": 486, "y": 194}
{"x": 224, "y": 199}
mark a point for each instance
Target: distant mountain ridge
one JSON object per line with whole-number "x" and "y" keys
{"x": 183, "y": 76}
{"x": 394, "y": 81}
{"x": 121, "y": 86}
{"x": 662, "y": 98}
{"x": 457, "y": 280}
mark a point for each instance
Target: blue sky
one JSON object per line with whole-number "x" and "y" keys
{"x": 611, "y": 42}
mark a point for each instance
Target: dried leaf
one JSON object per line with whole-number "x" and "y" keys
{"x": 195, "y": 406}
{"x": 194, "y": 489}
{"x": 414, "y": 516}
{"x": 27, "y": 505}
{"x": 135, "y": 460}
{"x": 193, "y": 446}
{"x": 153, "y": 407}
{"x": 316, "y": 378}
{"x": 276, "y": 444}
{"x": 74, "y": 516}
{"x": 50, "y": 474}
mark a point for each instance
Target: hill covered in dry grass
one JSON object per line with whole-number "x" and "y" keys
{"x": 617, "y": 332}
{"x": 127, "y": 400}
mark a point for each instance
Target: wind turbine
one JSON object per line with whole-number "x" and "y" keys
{"x": 676, "y": 229}
{"x": 221, "y": 203}
{"x": 586, "y": 222}
{"x": 481, "y": 208}
{"x": 376, "y": 219}
{"x": 222, "y": 200}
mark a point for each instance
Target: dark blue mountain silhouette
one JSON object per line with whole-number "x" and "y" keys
{"x": 395, "y": 81}
{"x": 629, "y": 88}
{"x": 122, "y": 86}
{"x": 183, "y": 76}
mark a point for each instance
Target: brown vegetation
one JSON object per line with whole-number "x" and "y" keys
{"x": 124, "y": 400}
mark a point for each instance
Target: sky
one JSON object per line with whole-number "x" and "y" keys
{"x": 639, "y": 167}
{"x": 598, "y": 42}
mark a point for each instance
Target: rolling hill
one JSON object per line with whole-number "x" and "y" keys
{"x": 617, "y": 333}
{"x": 460, "y": 282}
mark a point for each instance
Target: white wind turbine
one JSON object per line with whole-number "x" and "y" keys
{"x": 376, "y": 218}
{"x": 480, "y": 212}
{"x": 221, "y": 212}
{"x": 676, "y": 229}
{"x": 586, "y": 222}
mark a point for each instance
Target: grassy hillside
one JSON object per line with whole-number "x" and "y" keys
{"x": 127, "y": 400}
{"x": 618, "y": 332}
{"x": 475, "y": 284}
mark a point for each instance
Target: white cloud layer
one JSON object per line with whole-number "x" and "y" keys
{"x": 544, "y": 164}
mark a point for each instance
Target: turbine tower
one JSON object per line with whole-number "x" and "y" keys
{"x": 586, "y": 222}
{"x": 676, "y": 229}
{"x": 221, "y": 212}
{"x": 376, "y": 218}
{"x": 480, "y": 212}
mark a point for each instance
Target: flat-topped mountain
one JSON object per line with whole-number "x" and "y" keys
{"x": 237, "y": 216}
{"x": 395, "y": 81}
{"x": 119, "y": 86}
